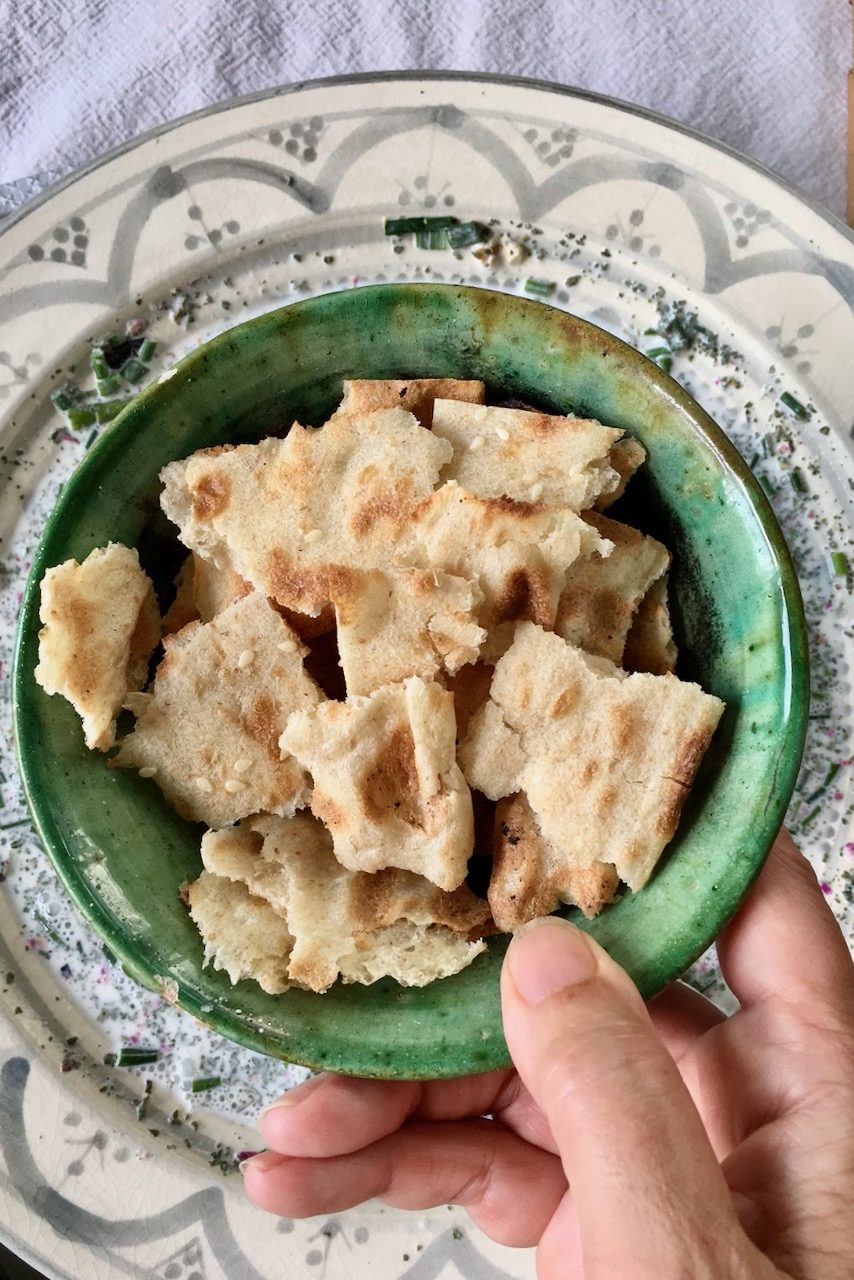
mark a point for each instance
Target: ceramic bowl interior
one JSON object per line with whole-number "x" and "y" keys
{"x": 122, "y": 852}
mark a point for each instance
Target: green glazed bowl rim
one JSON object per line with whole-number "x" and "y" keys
{"x": 134, "y": 960}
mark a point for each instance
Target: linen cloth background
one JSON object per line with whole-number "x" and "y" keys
{"x": 768, "y": 77}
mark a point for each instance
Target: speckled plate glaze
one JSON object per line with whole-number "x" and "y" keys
{"x": 627, "y": 220}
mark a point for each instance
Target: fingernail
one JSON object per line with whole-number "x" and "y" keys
{"x": 262, "y": 1160}
{"x": 294, "y": 1096}
{"x": 548, "y": 956}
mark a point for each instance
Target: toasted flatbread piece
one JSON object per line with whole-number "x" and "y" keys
{"x": 214, "y": 589}
{"x": 183, "y": 609}
{"x": 343, "y": 923}
{"x": 242, "y": 933}
{"x": 101, "y": 623}
{"x": 210, "y": 728}
{"x": 532, "y": 457}
{"x": 530, "y": 878}
{"x": 386, "y": 780}
{"x": 626, "y": 456}
{"x": 605, "y": 759}
{"x": 516, "y": 552}
{"x": 405, "y": 622}
{"x": 470, "y": 687}
{"x": 601, "y": 594}
{"x": 650, "y": 645}
{"x": 294, "y": 516}
{"x": 417, "y": 395}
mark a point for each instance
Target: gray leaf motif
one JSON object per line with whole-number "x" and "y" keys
{"x": 71, "y": 1222}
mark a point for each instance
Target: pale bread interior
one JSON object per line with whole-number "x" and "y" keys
{"x": 101, "y": 622}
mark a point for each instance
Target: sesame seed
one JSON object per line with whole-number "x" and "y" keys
{"x": 148, "y": 771}
{"x": 203, "y": 784}
{"x": 232, "y": 785}
{"x": 314, "y": 535}
{"x": 477, "y": 443}
{"x": 246, "y": 659}
{"x": 240, "y": 766}
{"x": 502, "y": 433}
{"x": 536, "y": 492}
{"x": 287, "y": 646}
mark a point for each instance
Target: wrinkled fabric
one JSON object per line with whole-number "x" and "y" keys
{"x": 78, "y": 77}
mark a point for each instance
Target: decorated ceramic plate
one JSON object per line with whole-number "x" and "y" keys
{"x": 711, "y": 266}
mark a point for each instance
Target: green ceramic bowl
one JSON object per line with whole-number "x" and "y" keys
{"x": 122, "y": 852}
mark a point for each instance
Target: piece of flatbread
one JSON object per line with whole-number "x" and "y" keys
{"x": 209, "y": 730}
{"x": 650, "y": 645}
{"x": 601, "y": 594}
{"x": 530, "y": 878}
{"x": 516, "y": 552}
{"x": 183, "y": 609}
{"x": 605, "y": 759}
{"x": 386, "y": 780}
{"x": 470, "y": 687}
{"x": 626, "y": 457}
{"x": 417, "y": 395}
{"x": 532, "y": 457}
{"x": 214, "y": 589}
{"x": 294, "y": 516}
{"x": 241, "y": 932}
{"x": 405, "y": 622}
{"x": 351, "y": 924}
{"x": 101, "y": 623}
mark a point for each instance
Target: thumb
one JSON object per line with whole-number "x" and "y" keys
{"x": 640, "y": 1168}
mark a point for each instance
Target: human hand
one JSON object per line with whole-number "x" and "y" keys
{"x": 695, "y": 1145}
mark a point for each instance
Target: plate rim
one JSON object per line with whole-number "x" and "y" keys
{"x": 286, "y": 88}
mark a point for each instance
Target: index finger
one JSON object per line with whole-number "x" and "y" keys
{"x": 785, "y": 944}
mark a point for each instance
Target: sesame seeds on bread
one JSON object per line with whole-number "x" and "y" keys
{"x": 101, "y": 623}
{"x": 208, "y": 731}
{"x": 529, "y": 456}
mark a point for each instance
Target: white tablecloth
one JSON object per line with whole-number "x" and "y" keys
{"x": 78, "y": 77}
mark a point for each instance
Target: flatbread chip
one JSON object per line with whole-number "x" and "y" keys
{"x": 293, "y": 516}
{"x": 242, "y": 933}
{"x": 351, "y": 924}
{"x": 182, "y": 610}
{"x": 101, "y": 623}
{"x": 386, "y": 780}
{"x": 405, "y": 622}
{"x": 516, "y": 552}
{"x": 214, "y": 589}
{"x": 470, "y": 687}
{"x": 601, "y": 594}
{"x": 208, "y": 733}
{"x": 532, "y": 457}
{"x": 417, "y": 395}
{"x": 626, "y": 457}
{"x": 650, "y": 645}
{"x": 605, "y": 758}
{"x": 530, "y": 878}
